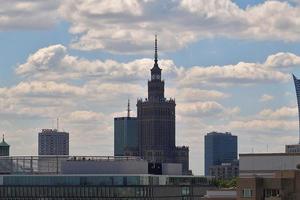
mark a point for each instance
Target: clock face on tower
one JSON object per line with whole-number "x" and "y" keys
{"x": 155, "y": 77}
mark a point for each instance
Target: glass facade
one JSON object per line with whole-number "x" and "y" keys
{"x": 297, "y": 87}
{"x": 44, "y": 187}
{"x": 219, "y": 148}
{"x": 125, "y": 135}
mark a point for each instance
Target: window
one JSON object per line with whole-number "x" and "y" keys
{"x": 247, "y": 192}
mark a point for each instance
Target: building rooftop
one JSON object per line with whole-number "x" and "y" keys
{"x": 3, "y": 143}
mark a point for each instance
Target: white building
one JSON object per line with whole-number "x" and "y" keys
{"x": 53, "y": 142}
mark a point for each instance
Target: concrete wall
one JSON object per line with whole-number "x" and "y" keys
{"x": 105, "y": 167}
{"x": 268, "y": 162}
{"x": 172, "y": 169}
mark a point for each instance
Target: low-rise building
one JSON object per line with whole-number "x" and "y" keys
{"x": 225, "y": 170}
{"x": 282, "y": 185}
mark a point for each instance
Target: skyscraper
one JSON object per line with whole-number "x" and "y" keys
{"x": 219, "y": 148}
{"x": 125, "y": 135}
{"x": 297, "y": 87}
{"x": 156, "y": 123}
{"x": 53, "y": 142}
{"x": 295, "y": 148}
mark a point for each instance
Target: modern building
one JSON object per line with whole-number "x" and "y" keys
{"x": 126, "y": 135}
{"x": 53, "y": 142}
{"x": 282, "y": 185}
{"x": 91, "y": 178}
{"x": 4, "y": 148}
{"x": 219, "y": 148}
{"x": 297, "y": 87}
{"x": 225, "y": 171}
{"x": 295, "y": 148}
{"x": 156, "y": 123}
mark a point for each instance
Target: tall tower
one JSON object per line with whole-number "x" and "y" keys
{"x": 297, "y": 87}
{"x": 156, "y": 120}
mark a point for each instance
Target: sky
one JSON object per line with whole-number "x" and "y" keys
{"x": 227, "y": 63}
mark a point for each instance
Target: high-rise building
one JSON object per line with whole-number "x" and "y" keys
{"x": 53, "y": 142}
{"x": 156, "y": 123}
{"x": 295, "y": 148}
{"x": 219, "y": 148}
{"x": 126, "y": 135}
{"x": 297, "y": 87}
{"x": 4, "y": 148}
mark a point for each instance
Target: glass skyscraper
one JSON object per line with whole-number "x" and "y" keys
{"x": 297, "y": 87}
{"x": 219, "y": 148}
{"x": 125, "y": 136}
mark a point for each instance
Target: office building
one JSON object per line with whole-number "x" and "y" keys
{"x": 126, "y": 135}
{"x": 219, "y": 148}
{"x": 225, "y": 171}
{"x": 292, "y": 148}
{"x": 53, "y": 142}
{"x": 91, "y": 178}
{"x": 156, "y": 123}
{"x": 4, "y": 148}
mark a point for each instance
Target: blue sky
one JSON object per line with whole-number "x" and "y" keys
{"x": 227, "y": 63}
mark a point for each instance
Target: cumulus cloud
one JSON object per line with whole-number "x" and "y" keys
{"x": 280, "y": 113}
{"x": 266, "y": 98}
{"x": 55, "y": 63}
{"x": 129, "y": 26}
{"x": 205, "y": 109}
{"x": 28, "y": 14}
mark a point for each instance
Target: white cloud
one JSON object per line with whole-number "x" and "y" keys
{"x": 54, "y": 63}
{"x": 128, "y": 27}
{"x": 282, "y": 60}
{"x": 28, "y": 14}
{"x": 205, "y": 109}
{"x": 280, "y": 113}
{"x": 266, "y": 98}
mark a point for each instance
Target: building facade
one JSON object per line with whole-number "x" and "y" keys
{"x": 93, "y": 177}
{"x": 283, "y": 185}
{"x": 219, "y": 148}
{"x": 125, "y": 136}
{"x": 225, "y": 171}
{"x": 4, "y": 148}
{"x": 53, "y": 142}
{"x": 156, "y": 122}
{"x": 297, "y": 87}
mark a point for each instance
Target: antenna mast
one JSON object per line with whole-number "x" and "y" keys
{"x": 128, "y": 108}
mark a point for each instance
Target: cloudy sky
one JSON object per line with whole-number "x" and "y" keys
{"x": 227, "y": 63}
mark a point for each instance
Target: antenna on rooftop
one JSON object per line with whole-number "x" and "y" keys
{"x": 57, "y": 123}
{"x": 128, "y": 108}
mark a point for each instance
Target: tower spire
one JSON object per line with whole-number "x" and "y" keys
{"x": 128, "y": 108}
{"x": 155, "y": 50}
{"x": 2, "y": 137}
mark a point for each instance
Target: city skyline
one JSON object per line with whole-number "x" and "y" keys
{"x": 223, "y": 77}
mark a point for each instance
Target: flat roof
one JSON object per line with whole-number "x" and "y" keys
{"x": 269, "y": 154}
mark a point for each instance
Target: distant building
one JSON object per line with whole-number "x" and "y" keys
{"x": 225, "y": 170}
{"x": 156, "y": 123}
{"x": 126, "y": 135}
{"x": 53, "y": 142}
{"x": 219, "y": 148}
{"x": 4, "y": 148}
